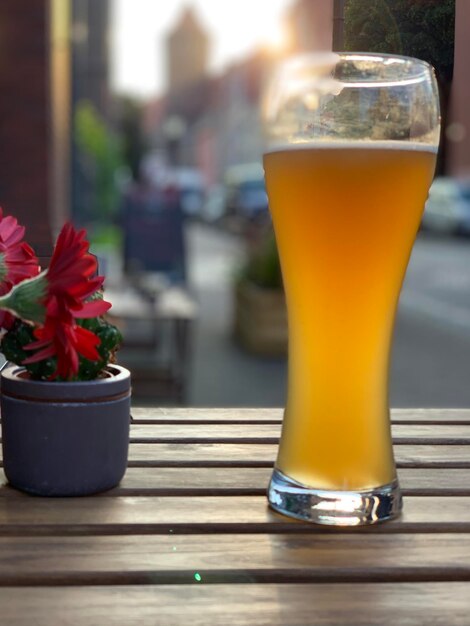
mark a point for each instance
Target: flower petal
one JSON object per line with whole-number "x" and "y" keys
{"x": 96, "y": 308}
{"x": 39, "y": 356}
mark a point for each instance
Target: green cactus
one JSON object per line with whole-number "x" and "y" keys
{"x": 12, "y": 346}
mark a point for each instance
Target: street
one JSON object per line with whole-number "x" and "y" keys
{"x": 431, "y": 361}
{"x": 431, "y": 355}
{"x": 222, "y": 373}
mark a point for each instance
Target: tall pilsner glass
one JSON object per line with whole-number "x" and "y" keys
{"x": 350, "y": 154}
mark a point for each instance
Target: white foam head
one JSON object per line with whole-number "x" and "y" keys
{"x": 356, "y": 145}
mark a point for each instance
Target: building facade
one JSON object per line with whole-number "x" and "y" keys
{"x": 310, "y": 25}
{"x": 90, "y": 82}
{"x": 187, "y": 50}
{"x": 90, "y": 53}
{"x": 34, "y": 116}
{"x": 457, "y": 133}
{"x": 217, "y": 119}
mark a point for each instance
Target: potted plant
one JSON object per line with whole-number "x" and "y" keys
{"x": 65, "y": 404}
{"x": 260, "y": 321}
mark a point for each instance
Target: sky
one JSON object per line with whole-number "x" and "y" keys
{"x": 139, "y": 29}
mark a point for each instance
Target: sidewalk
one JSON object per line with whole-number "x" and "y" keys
{"x": 221, "y": 373}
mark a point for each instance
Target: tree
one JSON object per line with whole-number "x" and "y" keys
{"x": 100, "y": 150}
{"x": 418, "y": 28}
{"x": 129, "y": 122}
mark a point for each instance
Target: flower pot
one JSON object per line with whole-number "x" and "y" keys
{"x": 65, "y": 438}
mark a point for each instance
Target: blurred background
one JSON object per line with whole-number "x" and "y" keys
{"x": 139, "y": 120}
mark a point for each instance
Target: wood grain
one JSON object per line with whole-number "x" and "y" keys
{"x": 157, "y": 455}
{"x": 191, "y": 512}
{"x": 254, "y": 481}
{"x": 218, "y": 514}
{"x": 269, "y": 433}
{"x": 209, "y": 416}
{"x": 262, "y": 415}
{"x": 49, "y": 561}
{"x": 204, "y": 481}
{"x": 431, "y": 416}
{"x": 373, "y": 604}
{"x": 263, "y": 455}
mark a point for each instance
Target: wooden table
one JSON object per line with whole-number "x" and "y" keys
{"x": 187, "y": 538}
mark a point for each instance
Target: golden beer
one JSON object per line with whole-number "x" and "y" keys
{"x": 345, "y": 217}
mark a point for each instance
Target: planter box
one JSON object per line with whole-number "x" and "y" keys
{"x": 260, "y": 324}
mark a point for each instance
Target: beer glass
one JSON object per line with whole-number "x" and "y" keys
{"x": 351, "y": 142}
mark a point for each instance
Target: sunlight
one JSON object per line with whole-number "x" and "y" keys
{"x": 140, "y": 28}
{"x": 274, "y": 38}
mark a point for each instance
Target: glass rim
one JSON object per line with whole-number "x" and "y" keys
{"x": 309, "y": 79}
{"x": 332, "y": 58}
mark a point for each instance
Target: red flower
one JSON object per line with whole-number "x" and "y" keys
{"x": 70, "y": 281}
{"x": 63, "y": 338}
{"x": 17, "y": 260}
{"x": 70, "y": 275}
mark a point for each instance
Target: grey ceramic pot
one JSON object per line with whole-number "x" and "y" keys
{"x": 65, "y": 438}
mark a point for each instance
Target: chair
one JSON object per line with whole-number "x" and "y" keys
{"x": 153, "y": 230}
{"x": 154, "y": 298}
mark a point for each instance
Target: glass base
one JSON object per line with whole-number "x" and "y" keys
{"x": 334, "y": 508}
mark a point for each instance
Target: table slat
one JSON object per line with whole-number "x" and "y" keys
{"x": 209, "y": 416}
{"x": 161, "y": 559}
{"x": 261, "y": 415}
{"x": 373, "y": 604}
{"x": 156, "y": 455}
{"x": 205, "y": 481}
{"x": 269, "y": 433}
{"x": 254, "y": 481}
{"x": 218, "y": 514}
{"x": 405, "y": 434}
{"x": 263, "y": 455}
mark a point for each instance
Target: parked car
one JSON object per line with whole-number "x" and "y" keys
{"x": 190, "y": 184}
{"x": 447, "y": 209}
{"x": 186, "y": 182}
{"x": 214, "y": 205}
{"x": 246, "y": 191}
